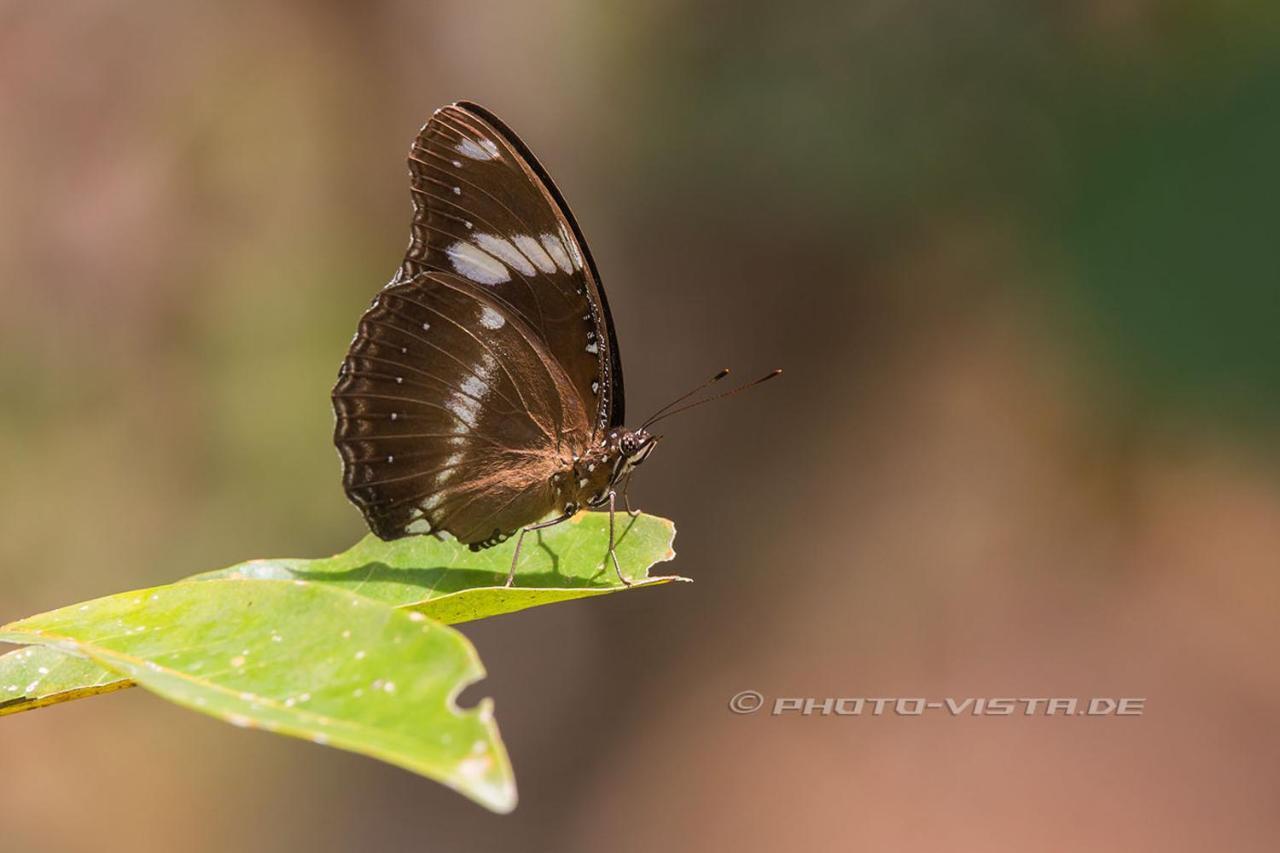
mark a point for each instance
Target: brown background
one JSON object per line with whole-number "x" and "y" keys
{"x": 1017, "y": 259}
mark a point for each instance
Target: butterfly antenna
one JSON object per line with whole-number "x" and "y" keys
{"x": 728, "y": 393}
{"x": 713, "y": 380}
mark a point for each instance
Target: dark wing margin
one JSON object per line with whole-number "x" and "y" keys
{"x": 486, "y": 209}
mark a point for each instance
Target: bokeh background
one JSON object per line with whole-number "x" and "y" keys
{"x": 1018, "y": 259}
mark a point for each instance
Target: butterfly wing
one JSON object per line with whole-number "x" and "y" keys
{"x": 451, "y": 414}
{"x": 486, "y": 210}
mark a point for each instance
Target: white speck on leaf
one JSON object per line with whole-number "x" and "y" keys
{"x": 476, "y": 767}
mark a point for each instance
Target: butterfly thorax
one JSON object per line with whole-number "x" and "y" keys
{"x": 587, "y": 480}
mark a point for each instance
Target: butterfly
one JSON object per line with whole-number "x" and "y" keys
{"x": 482, "y": 394}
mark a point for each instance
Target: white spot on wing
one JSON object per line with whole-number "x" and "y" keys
{"x": 491, "y": 319}
{"x": 464, "y": 408}
{"x": 478, "y": 149}
{"x": 555, "y": 249}
{"x": 477, "y": 265}
{"x": 572, "y": 245}
{"x": 465, "y": 404}
{"x": 503, "y": 249}
{"x": 534, "y": 252}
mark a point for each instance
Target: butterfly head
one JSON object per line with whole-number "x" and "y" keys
{"x": 635, "y": 445}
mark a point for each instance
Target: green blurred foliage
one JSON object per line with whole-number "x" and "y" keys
{"x": 1168, "y": 220}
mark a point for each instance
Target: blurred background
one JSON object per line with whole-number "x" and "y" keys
{"x": 1018, "y": 260}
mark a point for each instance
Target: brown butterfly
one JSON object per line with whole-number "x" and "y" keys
{"x": 483, "y": 389}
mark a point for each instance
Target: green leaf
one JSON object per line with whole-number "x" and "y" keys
{"x": 302, "y": 659}
{"x": 451, "y": 583}
{"x": 441, "y": 579}
{"x": 37, "y": 676}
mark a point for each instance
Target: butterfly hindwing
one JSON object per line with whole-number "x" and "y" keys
{"x": 451, "y": 415}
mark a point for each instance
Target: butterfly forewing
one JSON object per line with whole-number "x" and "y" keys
{"x": 485, "y": 210}
{"x": 451, "y": 414}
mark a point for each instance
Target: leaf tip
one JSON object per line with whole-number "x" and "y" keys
{"x": 485, "y": 774}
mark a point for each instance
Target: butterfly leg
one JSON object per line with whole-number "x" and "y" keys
{"x": 626, "y": 499}
{"x": 613, "y": 553}
{"x": 515, "y": 558}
